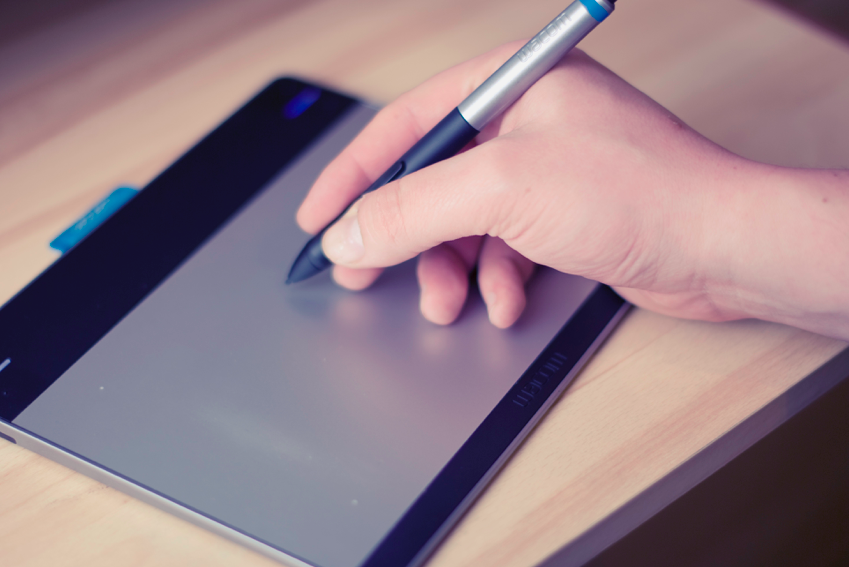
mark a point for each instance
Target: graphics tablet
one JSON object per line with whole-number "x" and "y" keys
{"x": 165, "y": 356}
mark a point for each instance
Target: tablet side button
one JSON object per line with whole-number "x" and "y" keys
{"x": 94, "y": 218}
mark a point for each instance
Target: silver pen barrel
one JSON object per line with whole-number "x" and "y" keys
{"x": 530, "y": 63}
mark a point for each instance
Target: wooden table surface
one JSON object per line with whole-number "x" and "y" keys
{"x": 100, "y": 94}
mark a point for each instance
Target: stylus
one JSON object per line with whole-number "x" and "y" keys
{"x": 489, "y": 100}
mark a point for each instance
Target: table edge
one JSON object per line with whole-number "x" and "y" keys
{"x": 702, "y": 465}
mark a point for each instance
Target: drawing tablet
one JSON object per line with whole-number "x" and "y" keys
{"x": 165, "y": 356}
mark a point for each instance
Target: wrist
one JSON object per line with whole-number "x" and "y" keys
{"x": 780, "y": 247}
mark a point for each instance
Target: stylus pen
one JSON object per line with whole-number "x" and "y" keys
{"x": 489, "y": 100}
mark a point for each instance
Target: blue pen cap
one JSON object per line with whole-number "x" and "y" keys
{"x": 599, "y": 9}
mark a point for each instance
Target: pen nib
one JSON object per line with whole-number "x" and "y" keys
{"x": 310, "y": 261}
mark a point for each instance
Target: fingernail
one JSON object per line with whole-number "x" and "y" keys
{"x": 491, "y": 301}
{"x": 343, "y": 242}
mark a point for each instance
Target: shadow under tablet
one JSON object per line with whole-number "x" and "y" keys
{"x": 306, "y": 416}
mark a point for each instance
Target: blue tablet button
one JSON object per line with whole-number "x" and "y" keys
{"x": 102, "y": 211}
{"x": 301, "y": 102}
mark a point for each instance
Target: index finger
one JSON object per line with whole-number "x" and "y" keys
{"x": 392, "y": 132}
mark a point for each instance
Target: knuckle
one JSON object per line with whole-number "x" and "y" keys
{"x": 505, "y": 190}
{"x": 385, "y": 217}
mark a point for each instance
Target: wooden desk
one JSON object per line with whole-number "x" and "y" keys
{"x": 101, "y": 94}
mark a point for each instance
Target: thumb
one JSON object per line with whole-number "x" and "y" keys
{"x": 446, "y": 201}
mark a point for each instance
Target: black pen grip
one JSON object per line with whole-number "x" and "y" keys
{"x": 441, "y": 142}
{"x": 444, "y": 140}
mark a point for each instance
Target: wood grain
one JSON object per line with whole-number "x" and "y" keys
{"x": 111, "y": 92}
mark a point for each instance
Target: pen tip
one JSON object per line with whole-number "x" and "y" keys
{"x": 310, "y": 261}
{"x": 300, "y": 271}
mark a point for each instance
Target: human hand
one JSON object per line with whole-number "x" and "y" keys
{"x": 584, "y": 174}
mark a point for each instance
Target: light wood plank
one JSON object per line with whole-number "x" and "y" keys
{"x": 112, "y": 93}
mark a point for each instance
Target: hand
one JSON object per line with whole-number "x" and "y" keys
{"x": 584, "y": 174}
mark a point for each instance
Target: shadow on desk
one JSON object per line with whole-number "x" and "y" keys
{"x": 832, "y": 15}
{"x": 785, "y": 501}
